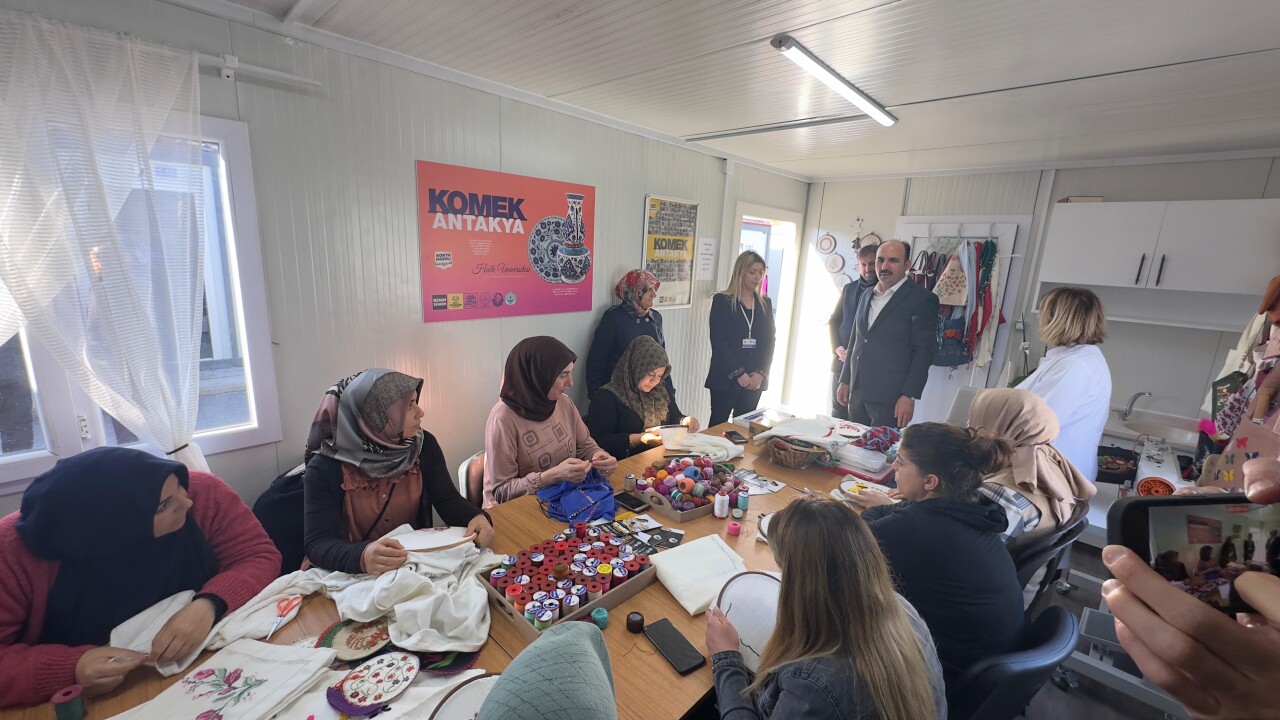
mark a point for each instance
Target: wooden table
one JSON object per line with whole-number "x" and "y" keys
{"x": 316, "y": 614}
{"x": 648, "y": 688}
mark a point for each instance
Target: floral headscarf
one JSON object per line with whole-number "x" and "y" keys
{"x": 633, "y": 286}
{"x": 642, "y": 356}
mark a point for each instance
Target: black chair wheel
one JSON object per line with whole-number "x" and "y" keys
{"x": 1061, "y": 683}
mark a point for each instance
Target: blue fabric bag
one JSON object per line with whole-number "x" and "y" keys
{"x": 591, "y": 499}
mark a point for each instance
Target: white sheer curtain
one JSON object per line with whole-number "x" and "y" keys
{"x": 101, "y": 200}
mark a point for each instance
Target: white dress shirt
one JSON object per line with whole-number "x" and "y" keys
{"x": 880, "y": 299}
{"x": 1076, "y": 383}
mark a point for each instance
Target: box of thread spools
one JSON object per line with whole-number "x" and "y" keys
{"x": 688, "y": 488}
{"x": 565, "y": 578}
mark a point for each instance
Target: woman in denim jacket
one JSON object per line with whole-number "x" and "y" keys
{"x": 845, "y": 645}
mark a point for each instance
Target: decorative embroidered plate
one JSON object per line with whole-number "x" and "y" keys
{"x": 544, "y": 240}
{"x": 842, "y": 280}
{"x": 868, "y": 239}
{"x": 376, "y": 682}
{"x": 351, "y": 640}
{"x": 447, "y": 663}
{"x": 826, "y": 243}
{"x": 835, "y": 263}
{"x": 464, "y": 701}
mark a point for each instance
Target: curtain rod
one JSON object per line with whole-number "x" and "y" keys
{"x": 229, "y": 65}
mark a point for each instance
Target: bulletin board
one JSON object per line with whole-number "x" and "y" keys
{"x": 670, "y": 242}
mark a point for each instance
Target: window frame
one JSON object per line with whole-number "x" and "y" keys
{"x": 73, "y": 423}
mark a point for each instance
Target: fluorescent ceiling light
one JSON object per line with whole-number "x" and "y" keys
{"x": 800, "y": 55}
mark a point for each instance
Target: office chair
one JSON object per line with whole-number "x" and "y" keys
{"x": 471, "y": 479}
{"x": 1048, "y": 550}
{"x": 1001, "y": 687}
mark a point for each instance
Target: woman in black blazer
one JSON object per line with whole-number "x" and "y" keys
{"x": 635, "y": 400}
{"x": 742, "y": 339}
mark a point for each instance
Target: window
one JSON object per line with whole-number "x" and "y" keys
{"x": 43, "y": 415}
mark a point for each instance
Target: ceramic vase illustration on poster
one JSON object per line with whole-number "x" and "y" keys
{"x": 557, "y": 245}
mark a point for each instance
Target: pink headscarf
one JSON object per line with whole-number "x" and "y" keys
{"x": 633, "y": 286}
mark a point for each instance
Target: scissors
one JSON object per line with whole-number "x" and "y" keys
{"x": 284, "y": 606}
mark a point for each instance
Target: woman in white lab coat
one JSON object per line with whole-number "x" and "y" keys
{"x": 1073, "y": 378}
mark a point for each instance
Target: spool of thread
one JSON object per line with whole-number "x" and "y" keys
{"x": 557, "y": 595}
{"x": 546, "y": 584}
{"x": 635, "y": 623}
{"x": 540, "y": 596}
{"x": 570, "y": 605}
{"x": 642, "y": 485}
{"x": 513, "y": 592}
{"x": 632, "y": 566}
{"x": 643, "y": 560}
{"x": 629, "y": 482}
{"x": 531, "y": 610}
{"x": 503, "y": 584}
{"x": 68, "y": 703}
{"x": 588, "y": 573}
{"x": 580, "y": 529}
{"x": 743, "y": 501}
{"x": 544, "y": 620}
{"x": 620, "y": 574}
{"x": 721, "y": 507}
{"x": 735, "y": 527}
{"x": 600, "y": 617}
{"x": 522, "y": 601}
{"x": 733, "y": 499}
{"x": 521, "y": 580}
{"x": 538, "y": 559}
{"x": 737, "y": 513}
{"x": 561, "y": 547}
{"x": 524, "y": 567}
{"x": 496, "y": 575}
{"x": 522, "y": 555}
{"x": 584, "y": 547}
{"x": 615, "y": 544}
{"x": 577, "y": 567}
{"x": 554, "y": 607}
{"x": 508, "y": 562}
{"x": 580, "y": 592}
{"x": 594, "y": 591}
{"x": 598, "y": 545}
{"x": 564, "y": 585}
{"x": 606, "y": 581}
{"x": 580, "y": 557}
{"x": 593, "y": 563}
{"x": 699, "y": 489}
{"x": 569, "y": 532}
{"x": 604, "y": 570}
{"x": 685, "y": 485}
{"x": 593, "y": 534}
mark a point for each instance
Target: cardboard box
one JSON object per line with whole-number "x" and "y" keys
{"x": 763, "y": 418}
{"x": 661, "y": 504}
{"x": 609, "y": 600}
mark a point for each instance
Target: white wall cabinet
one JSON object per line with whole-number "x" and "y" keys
{"x": 1101, "y": 243}
{"x": 1221, "y": 246}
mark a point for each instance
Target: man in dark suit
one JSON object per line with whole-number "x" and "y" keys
{"x": 895, "y": 340}
{"x": 841, "y": 322}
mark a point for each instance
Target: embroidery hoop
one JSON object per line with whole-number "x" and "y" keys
{"x": 751, "y": 590}
{"x": 367, "y": 688}
{"x": 464, "y": 701}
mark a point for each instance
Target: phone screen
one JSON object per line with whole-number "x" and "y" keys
{"x": 631, "y": 501}
{"x": 1201, "y": 548}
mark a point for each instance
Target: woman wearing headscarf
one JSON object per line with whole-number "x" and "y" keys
{"x": 634, "y": 401}
{"x": 103, "y": 536}
{"x": 534, "y": 436}
{"x": 372, "y": 468}
{"x": 1040, "y": 483}
{"x": 632, "y": 317}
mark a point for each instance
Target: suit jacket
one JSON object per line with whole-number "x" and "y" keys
{"x": 841, "y": 322}
{"x": 891, "y": 358}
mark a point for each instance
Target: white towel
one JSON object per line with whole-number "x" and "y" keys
{"x": 138, "y": 632}
{"x": 263, "y": 679}
{"x": 695, "y": 571}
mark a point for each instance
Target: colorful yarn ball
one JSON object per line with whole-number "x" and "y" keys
{"x": 662, "y": 475}
{"x": 692, "y": 472}
{"x": 879, "y": 438}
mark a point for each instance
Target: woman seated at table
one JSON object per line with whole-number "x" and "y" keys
{"x": 1206, "y": 560}
{"x": 534, "y": 436}
{"x": 944, "y": 547}
{"x": 845, "y": 644}
{"x": 101, "y": 537}
{"x": 1039, "y": 482}
{"x": 1170, "y": 567}
{"x": 372, "y": 468}
{"x": 1228, "y": 553}
{"x": 635, "y": 401}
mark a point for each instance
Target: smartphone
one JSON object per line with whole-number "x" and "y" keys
{"x": 1199, "y": 542}
{"x": 735, "y": 437}
{"x": 682, "y": 655}
{"x": 631, "y": 501}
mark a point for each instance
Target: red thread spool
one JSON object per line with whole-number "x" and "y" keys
{"x": 522, "y": 599}
{"x": 561, "y": 547}
{"x": 643, "y": 560}
{"x": 606, "y": 537}
{"x": 580, "y": 529}
{"x": 632, "y": 566}
{"x": 546, "y": 584}
{"x": 513, "y": 591}
{"x": 522, "y": 555}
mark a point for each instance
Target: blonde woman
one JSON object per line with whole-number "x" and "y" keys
{"x": 742, "y": 338}
{"x": 1074, "y": 378}
{"x": 845, "y": 644}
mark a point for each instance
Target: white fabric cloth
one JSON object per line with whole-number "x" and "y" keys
{"x": 880, "y": 299}
{"x": 820, "y": 431}
{"x": 262, "y": 679}
{"x": 717, "y": 448}
{"x": 435, "y": 603}
{"x": 695, "y": 571}
{"x": 1076, "y": 383}
{"x": 415, "y": 703}
{"x": 101, "y": 228}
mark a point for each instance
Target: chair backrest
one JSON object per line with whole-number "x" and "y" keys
{"x": 959, "y": 414}
{"x": 1000, "y": 687}
{"x": 471, "y": 479}
{"x": 1034, "y": 550}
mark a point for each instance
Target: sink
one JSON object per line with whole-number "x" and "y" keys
{"x": 1177, "y": 431}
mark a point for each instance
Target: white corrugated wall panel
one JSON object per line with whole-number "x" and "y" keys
{"x": 983, "y": 194}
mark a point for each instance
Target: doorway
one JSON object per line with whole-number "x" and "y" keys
{"x": 773, "y": 233}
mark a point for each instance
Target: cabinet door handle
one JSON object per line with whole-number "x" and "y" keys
{"x": 1141, "y": 262}
{"x": 1160, "y": 272}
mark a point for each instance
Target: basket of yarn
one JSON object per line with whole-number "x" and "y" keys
{"x": 795, "y": 454}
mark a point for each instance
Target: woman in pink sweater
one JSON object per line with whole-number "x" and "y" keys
{"x": 101, "y": 537}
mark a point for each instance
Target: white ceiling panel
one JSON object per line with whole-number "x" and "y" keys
{"x": 554, "y": 46}
{"x": 925, "y": 50}
{"x": 272, "y": 7}
{"x": 1215, "y": 91}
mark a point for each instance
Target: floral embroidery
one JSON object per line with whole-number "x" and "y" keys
{"x": 380, "y": 636}
{"x": 220, "y": 686}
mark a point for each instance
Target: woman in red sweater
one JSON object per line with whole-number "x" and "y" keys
{"x": 101, "y": 537}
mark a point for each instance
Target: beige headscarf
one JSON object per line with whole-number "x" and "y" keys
{"x": 1030, "y": 425}
{"x": 642, "y": 356}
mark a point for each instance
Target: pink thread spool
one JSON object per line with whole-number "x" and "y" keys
{"x": 734, "y": 527}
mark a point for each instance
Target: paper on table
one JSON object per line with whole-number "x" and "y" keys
{"x": 429, "y": 539}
